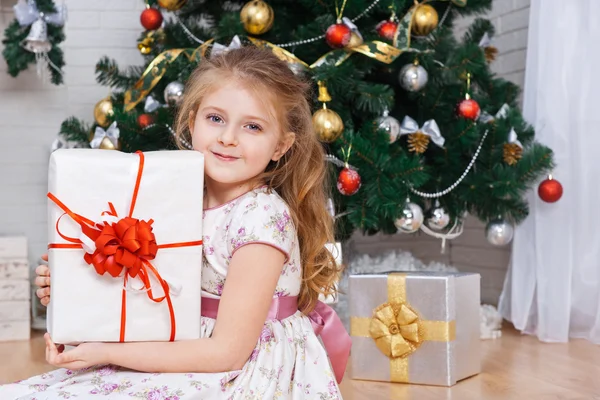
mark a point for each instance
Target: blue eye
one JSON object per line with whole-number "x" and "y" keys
{"x": 254, "y": 127}
{"x": 214, "y": 118}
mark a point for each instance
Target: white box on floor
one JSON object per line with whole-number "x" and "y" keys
{"x": 14, "y": 268}
{"x": 87, "y": 306}
{"x": 15, "y": 330}
{"x": 12, "y": 289}
{"x": 13, "y": 247}
{"x": 14, "y": 310}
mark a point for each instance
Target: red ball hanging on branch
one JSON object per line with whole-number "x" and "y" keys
{"x": 348, "y": 182}
{"x": 468, "y": 108}
{"x": 151, "y": 19}
{"x": 145, "y": 120}
{"x": 387, "y": 29}
{"x": 550, "y": 190}
{"x": 338, "y": 35}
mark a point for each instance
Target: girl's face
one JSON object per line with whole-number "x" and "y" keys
{"x": 236, "y": 134}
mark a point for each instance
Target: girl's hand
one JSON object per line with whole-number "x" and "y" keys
{"x": 83, "y": 356}
{"x": 43, "y": 281}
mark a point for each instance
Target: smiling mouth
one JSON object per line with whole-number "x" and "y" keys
{"x": 224, "y": 157}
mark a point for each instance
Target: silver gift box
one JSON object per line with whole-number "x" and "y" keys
{"x": 430, "y": 328}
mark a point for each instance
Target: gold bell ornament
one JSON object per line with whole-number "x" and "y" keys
{"x": 328, "y": 124}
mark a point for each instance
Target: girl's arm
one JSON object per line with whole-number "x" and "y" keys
{"x": 251, "y": 280}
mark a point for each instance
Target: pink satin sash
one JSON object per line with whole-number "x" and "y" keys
{"x": 324, "y": 320}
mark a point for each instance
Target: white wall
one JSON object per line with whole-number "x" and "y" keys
{"x": 471, "y": 252}
{"x": 31, "y": 111}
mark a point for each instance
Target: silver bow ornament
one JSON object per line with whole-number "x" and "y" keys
{"x": 218, "y": 48}
{"x": 151, "y": 104}
{"x": 419, "y": 137}
{"x": 502, "y": 112}
{"x": 27, "y": 13}
{"x": 111, "y": 134}
{"x": 485, "y": 41}
{"x": 512, "y": 138}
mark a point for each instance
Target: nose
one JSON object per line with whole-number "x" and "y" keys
{"x": 228, "y": 136}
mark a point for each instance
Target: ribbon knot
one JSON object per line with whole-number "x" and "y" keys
{"x": 396, "y": 329}
{"x": 26, "y": 13}
{"x": 126, "y": 244}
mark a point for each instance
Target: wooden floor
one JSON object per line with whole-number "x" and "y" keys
{"x": 514, "y": 367}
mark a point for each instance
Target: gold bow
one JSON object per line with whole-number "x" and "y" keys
{"x": 396, "y": 329}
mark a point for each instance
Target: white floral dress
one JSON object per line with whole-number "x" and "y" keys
{"x": 288, "y": 361}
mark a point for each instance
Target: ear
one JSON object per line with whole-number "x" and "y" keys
{"x": 284, "y": 145}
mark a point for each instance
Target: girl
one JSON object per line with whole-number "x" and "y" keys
{"x": 265, "y": 226}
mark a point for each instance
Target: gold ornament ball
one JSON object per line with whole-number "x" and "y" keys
{"x": 424, "y": 20}
{"x": 103, "y": 112}
{"x": 328, "y": 125}
{"x": 257, "y": 17}
{"x": 171, "y": 5}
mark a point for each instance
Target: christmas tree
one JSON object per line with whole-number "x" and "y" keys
{"x": 411, "y": 118}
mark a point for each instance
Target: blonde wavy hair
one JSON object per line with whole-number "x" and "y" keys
{"x": 300, "y": 176}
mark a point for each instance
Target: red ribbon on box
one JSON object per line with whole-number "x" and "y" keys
{"x": 128, "y": 243}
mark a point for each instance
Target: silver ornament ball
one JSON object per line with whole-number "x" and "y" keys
{"x": 413, "y": 77}
{"x": 174, "y": 93}
{"x": 438, "y": 218}
{"x": 390, "y": 125}
{"x": 499, "y": 232}
{"x": 411, "y": 218}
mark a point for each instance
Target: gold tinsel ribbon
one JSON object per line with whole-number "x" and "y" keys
{"x": 398, "y": 330}
{"x": 156, "y": 70}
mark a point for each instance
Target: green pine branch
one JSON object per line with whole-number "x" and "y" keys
{"x": 109, "y": 74}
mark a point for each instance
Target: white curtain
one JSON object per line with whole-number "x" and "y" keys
{"x": 552, "y": 289}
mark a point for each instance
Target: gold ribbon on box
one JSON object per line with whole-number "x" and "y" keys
{"x": 155, "y": 71}
{"x": 398, "y": 330}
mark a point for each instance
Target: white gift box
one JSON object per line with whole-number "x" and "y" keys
{"x": 86, "y": 306}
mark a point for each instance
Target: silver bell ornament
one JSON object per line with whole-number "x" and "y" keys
{"x": 390, "y": 125}
{"x": 499, "y": 232}
{"x": 411, "y": 218}
{"x": 437, "y": 217}
{"x": 174, "y": 93}
{"x": 413, "y": 77}
{"x": 37, "y": 40}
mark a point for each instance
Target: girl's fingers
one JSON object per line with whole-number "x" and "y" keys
{"x": 42, "y": 281}
{"x": 42, "y": 270}
{"x": 45, "y": 300}
{"x": 43, "y": 292}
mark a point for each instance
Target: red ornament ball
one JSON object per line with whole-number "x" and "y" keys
{"x": 151, "y": 19}
{"x": 348, "y": 182}
{"x": 387, "y": 29}
{"x": 338, "y": 35}
{"x": 145, "y": 120}
{"x": 468, "y": 108}
{"x": 550, "y": 190}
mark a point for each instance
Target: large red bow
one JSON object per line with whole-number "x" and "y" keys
{"x": 122, "y": 244}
